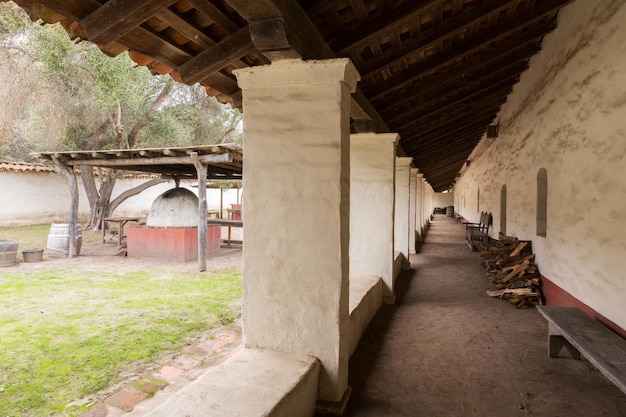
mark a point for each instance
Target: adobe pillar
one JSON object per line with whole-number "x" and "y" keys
{"x": 296, "y": 211}
{"x": 419, "y": 207}
{"x": 412, "y": 208}
{"x": 401, "y": 217}
{"x": 372, "y": 175}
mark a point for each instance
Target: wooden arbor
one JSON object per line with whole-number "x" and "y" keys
{"x": 201, "y": 162}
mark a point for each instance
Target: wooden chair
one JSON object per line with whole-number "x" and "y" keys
{"x": 477, "y": 234}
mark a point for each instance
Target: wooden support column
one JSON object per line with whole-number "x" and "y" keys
{"x": 72, "y": 221}
{"x": 202, "y": 210}
{"x": 296, "y": 210}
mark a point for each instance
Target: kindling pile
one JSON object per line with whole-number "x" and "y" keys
{"x": 510, "y": 267}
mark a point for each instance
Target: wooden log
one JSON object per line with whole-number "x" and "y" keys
{"x": 518, "y": 249}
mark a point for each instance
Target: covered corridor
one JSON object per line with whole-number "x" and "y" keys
{"x": 446, "y": 349}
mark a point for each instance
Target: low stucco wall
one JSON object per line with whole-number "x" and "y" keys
{"x": 567, "y": 115}
{"x": 366, "y": 297}
{"x": 252, "y": 383}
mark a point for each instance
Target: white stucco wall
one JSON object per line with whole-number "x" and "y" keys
{"x": 443, "y": 199}
{"x": 568, "y": 115}
{"x": 372, "y": 190}
{"x": 401, "y": 209}
{"x": 39, "y": 198}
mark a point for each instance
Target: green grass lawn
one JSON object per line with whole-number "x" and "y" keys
{"x": 65, "y": 334}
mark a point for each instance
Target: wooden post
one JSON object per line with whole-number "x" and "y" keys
{"x": 202, "y": 210}
{"x": 70, "y": 175}
{"x": 221, "y": 203}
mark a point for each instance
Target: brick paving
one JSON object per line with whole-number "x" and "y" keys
{"x": 148, "y": 391}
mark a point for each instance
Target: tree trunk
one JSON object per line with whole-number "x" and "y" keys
{"x": 98, "y": 197}
{"x": 89, "y": 183}
{"x": 133, "y": 191}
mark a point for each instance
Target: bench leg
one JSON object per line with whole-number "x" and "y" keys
{"x": 557, "y": 342}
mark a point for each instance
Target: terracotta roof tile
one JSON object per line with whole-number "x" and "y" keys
{"x": 8, "y": 166}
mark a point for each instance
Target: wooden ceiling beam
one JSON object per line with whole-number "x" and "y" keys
{"x": 297, "y": 37}
{"x": 381, "y": 25}
{"x": 116, "y": 18}
{"x": 480, "y": 43}
{"x": 453, "y": 140}
{"x": 216, "y": 57}
{"x": 431, "y": 129}
{"x": 209, "y": 10}
{"x": 306, "y": 38}
{"x": 464, "y": 104}
{"x": 458, "y": 130}
{"x": 454, "y": 164}
{"x": 425, "y": 91}
{"x": 441, "y": 179}
{"x": 74, "y": 9}
{"x": 441, "y": 175}
{"x": 434, "y": 37}
{"x": 445, "y": 145}
{"x": 526, "y": 41}
{"x": 143, "y": 41}
{"x": 485, "y": 114}
{"x": 183, "y": 26}
{"x": 425, "y": 165}
{"x": 359, "y": 10}
{"x": 460, "y": 93}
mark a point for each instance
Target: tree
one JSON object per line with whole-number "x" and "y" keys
{"x": 73, "y": 97}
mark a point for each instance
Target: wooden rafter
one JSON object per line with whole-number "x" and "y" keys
{"x": 434, "y": 71}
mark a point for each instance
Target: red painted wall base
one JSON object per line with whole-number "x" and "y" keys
{"x": 557, "y": 296}
{"x": 171, "y": 243}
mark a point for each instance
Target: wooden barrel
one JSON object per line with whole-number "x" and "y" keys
{"x": 8, "y": 252}
{"x": 32, "y": 255}
{"x": 59, "y": 240}
{"x": 450, "y": 211}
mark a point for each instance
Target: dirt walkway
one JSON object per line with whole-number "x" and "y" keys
{"x": 446, "y": 349}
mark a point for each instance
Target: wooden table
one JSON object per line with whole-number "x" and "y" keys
{"x": 233, "y": 213}
{"x": 121, "y": 222}
{"x": 227, "y": 223}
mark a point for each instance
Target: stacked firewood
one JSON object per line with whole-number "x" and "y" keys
{"x": 510, "y": 267}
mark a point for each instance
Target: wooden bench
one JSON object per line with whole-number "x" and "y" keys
{"x": 580, "y": 334}
{"x": 477, "y": 234}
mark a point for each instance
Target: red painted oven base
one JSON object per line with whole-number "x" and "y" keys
{"x": 171, "y": 243}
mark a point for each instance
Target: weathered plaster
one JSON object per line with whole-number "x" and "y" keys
{"x": 39, "y": 198}
{"x": 419, "y": 206}
{"x": 412, "y": 208}
{"x": 443, "y": 199}
{"x": 401, "y": 217}
{"x": 567, "y": 115}
{"x": 428, "y": 198}
{"x": 372, "y": 176}
{"x": 296, "y": 206}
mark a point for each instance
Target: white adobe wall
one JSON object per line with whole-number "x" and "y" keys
{"x": 443, "y": 199}
{"x": 141, "y": 203}
{"x": 39, "y": 198}
{"x": 567, "y": 115}
{"x": 36, "y": 198}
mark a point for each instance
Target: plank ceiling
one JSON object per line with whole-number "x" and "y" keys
{"x": 434, "y": 71}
